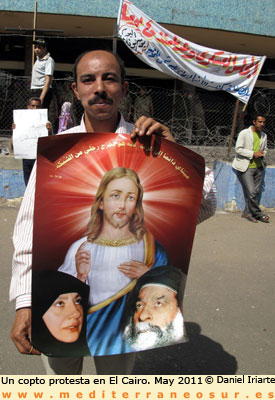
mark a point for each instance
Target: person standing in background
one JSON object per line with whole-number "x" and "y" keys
{"x": 251, "y": 147}
{"x": 42, "y": 74}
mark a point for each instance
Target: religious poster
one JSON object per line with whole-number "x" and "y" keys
{"x": 114, "y": 223}
{"x": 29, "y": 126}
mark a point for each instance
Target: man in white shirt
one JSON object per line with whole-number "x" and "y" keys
{"x": 100, "y": 86}
{"x": 42, "y": 74}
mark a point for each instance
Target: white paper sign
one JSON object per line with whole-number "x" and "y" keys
{"x": 29, "y": 126}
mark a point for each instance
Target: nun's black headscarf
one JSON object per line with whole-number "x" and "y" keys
{"x": 47, "y": 286}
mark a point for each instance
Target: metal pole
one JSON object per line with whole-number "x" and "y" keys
{"x": 34, "y": 27}
{"x": 233, "y": 127}
{"x": 115, "y": 40}
{"x": 174, "y": 102}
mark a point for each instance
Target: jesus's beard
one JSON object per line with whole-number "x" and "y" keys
{"x": 143, "y": 336}
{"x": 117, "y": 223}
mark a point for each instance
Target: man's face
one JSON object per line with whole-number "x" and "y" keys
{"x": 157, "y": 320}
{"x": 259, "y": 123}
{"x": 34, "y": 105}
{"x": 156, "y": 305}
{"x": 64, "y": 318}
{"x": 99, "y": 86}
{"x": 119, "y": 202}
{"x": 40, "y": 51}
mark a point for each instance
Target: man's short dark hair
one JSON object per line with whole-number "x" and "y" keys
{"x": 256, "y": 115}
{"x": 40, "y": 42}
{"x": 33, "y": 99}
{"x": 119, "y": 60}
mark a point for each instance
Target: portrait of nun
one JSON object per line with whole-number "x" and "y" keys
{"x": 59, "y": 314}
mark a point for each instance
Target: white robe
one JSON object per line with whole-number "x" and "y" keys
{"x": 104, "y": 277}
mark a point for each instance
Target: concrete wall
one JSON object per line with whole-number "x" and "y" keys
{"x": 12, "y": 184}
{"x": 229, "y": 190}
{"x": 248, "y": 16}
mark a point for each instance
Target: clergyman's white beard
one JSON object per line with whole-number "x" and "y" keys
{"x": 143, "y": 336}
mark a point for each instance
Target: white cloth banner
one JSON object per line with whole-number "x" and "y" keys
{"x": 198, "y": 65}
{"x": 29, "y": 126}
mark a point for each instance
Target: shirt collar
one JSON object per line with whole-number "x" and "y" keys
{"x": 46, "y": 56}
{"x": 121, "y": 127}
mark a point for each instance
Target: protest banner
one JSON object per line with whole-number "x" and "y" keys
{"x": 197, "y": 65}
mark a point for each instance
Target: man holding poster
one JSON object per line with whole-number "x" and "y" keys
{"x": 100, "y": 86}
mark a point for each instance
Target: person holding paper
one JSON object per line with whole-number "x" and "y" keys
{"x": 34, "y": 103}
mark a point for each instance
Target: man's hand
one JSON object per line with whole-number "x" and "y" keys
{"x": 21, "y": 332}
{"x": 148, "y": 126}
{"x": 133, "y": 269}
{"x": 82, "y": 262}
{"x": 47, "y": 83}
{"x": 258, "y": 154}
{"x": 49, "y": 127}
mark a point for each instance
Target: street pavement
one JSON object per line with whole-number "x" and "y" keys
{"x": 228, "y": 305}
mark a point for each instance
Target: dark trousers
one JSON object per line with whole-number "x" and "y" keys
{"x": 251, "y": 181}
{"x": 47, "y": 98}
{"x": 27, "y": 169}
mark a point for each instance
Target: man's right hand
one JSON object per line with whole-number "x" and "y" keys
{"x": 82, "y": 262}
{"x": 21, "y": 332}
{"x": 258, "y": 154}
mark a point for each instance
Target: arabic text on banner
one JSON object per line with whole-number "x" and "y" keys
{"x": 197, "y": 65}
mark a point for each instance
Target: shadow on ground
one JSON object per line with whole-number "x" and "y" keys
{"x": 201, "y": 355}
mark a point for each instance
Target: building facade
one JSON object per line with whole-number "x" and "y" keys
{"x": 242, "y": 27}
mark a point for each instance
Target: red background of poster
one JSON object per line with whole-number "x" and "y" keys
{"x": 69, "y": 170}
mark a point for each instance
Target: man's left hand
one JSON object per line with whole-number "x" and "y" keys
{"x": 133, "y": 269}
{"x": 49, "y": 127}
{"x": 146, "y": 126}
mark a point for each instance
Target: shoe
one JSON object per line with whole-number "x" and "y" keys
{"x": 263, "y": 218}
{"x": 249, "y": 218}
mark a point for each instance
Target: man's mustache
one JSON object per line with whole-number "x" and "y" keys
{"x": 98, "y": 97}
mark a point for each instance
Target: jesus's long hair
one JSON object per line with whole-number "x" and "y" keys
{"x": 137, "y": 225}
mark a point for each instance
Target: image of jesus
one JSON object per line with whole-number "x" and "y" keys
{"x": 116, "y": 250}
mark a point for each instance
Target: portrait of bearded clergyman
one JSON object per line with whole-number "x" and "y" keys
{"x": 116, "y": 250}
{"x": 153, "y": 315}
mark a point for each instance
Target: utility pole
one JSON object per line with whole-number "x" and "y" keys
{"x": 34, "y": 28}
{"x": 29, "y": 48}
